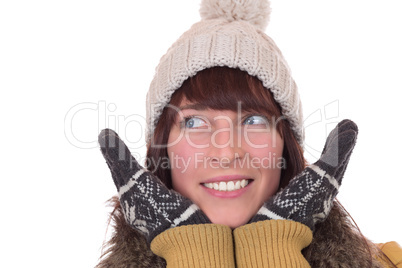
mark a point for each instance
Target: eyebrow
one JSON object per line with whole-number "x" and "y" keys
{"x": 194, "y": 106}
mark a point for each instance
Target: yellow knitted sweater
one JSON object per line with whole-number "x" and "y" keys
{"x": 274, "y": 243}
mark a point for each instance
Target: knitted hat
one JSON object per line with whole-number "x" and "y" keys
{"x": 230, "y": 33}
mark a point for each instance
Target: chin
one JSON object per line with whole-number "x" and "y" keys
{"x": 232, "y": 222}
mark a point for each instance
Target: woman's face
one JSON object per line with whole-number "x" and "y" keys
{"x": 228, "y": 163}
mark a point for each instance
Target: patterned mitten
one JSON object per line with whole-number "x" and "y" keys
{"x": 148, "y": 205}
{"x": 309, "y": 196}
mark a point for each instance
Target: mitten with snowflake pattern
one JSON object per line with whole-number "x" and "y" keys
{"x": 308, "y": 198}
{"x": 148, "y": 205}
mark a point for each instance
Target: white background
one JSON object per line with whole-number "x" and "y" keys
{"x": 54, "y": 55}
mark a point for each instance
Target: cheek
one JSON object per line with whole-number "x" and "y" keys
{"x": 267, "y": 147}
{"x": 181, "y": 157}
{"x": 263, "y": 140}
{"x": 266, "y": 156}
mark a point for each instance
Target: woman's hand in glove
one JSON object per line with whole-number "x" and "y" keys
{"x": 148, "y": 205}
{"x": 309, "y": 196}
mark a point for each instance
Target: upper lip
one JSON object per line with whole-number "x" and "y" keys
{"x": 227, "y": 178}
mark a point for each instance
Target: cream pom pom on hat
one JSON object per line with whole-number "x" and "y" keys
{"x": 230, "y": 33}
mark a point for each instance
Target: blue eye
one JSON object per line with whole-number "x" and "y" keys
{"x": 194, "y": 122}
{"x": 256, "y": 120}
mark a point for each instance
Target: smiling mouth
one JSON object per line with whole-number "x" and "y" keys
{"x": 228, "y": 186}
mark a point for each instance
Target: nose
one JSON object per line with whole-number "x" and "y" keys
{"x": 225, "y": 146}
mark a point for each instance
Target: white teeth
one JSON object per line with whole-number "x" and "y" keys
{"x": 222, "y": 186}
{"x": 230, "y": 186}
{"x": 243, "y": 183}
{"x": 227, "y": 186}
{"x": 216, "y": 186}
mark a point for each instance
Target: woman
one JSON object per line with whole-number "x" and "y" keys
{"x": 229, "y": 141}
